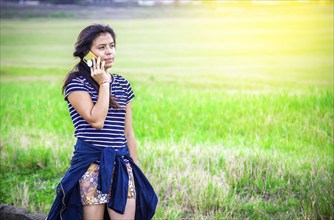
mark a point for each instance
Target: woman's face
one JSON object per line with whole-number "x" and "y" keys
{"x": 103, "y": 46}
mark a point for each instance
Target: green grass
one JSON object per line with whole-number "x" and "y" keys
{"x": 233, "y": 117}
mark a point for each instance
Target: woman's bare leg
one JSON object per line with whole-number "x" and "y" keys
{"x": 93, "y": 212}
{"x": 129, "y": 213}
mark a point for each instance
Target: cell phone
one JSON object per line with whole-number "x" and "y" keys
{"x": 88, "y": 59}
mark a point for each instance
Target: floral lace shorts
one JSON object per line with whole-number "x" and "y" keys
{"x": 88, "y": 186}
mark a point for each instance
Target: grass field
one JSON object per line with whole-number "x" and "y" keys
{"x": 233, "y": 112}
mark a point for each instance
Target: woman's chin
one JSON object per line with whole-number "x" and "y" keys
{"x": 108, "y": 66}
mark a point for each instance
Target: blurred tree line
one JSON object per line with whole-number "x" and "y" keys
{"x": 60, "y": 1}
{"x": 65, "y": 1}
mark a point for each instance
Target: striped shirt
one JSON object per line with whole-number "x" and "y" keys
{"x": 112, "y": 133}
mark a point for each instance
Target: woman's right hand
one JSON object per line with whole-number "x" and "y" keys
{"x": 98, "y": 71}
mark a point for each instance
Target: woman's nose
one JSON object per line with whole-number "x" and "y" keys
{"x": 109, "y": 50}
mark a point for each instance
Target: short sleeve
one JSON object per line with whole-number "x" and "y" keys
{"x": 129, "y": 93}
{"x": 75, "y": 84}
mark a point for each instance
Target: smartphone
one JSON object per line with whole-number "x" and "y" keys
{"x": 88, "y": 59}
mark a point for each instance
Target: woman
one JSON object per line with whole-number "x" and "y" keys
{"x": 103, "y": 180}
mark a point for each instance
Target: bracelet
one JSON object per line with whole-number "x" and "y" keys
{"x": 104, "y": 82}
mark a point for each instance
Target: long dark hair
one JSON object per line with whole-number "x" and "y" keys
{"x": 82, "y": 47}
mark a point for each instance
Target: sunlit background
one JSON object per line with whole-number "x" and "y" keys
{"x": 214, "y": 41}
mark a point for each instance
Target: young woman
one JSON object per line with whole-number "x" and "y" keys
{"x": 103, "y": 181}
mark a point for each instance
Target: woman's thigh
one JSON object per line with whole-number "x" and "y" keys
{"x": 93, "y": 212}
{"x": 129, "y": 213}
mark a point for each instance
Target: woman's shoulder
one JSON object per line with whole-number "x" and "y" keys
{"x": 77, "y": 78}
{"x": 118, "y": 76}
{"x": 78, "y": 81}
{"x": 120, "y": 79}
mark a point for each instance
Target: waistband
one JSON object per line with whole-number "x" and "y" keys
{"x": 84, "y": 144}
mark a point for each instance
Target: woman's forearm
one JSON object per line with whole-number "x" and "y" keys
{"x": 99, "y": 111}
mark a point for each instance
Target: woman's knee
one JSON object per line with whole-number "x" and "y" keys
{"x": 95, "y": 212}
{"x": 129, "y": 212}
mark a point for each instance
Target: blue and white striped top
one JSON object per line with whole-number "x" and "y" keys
{"x": 112, "y": 134}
